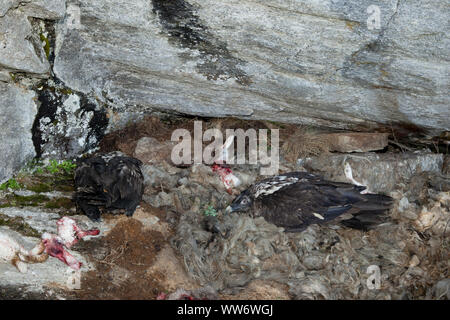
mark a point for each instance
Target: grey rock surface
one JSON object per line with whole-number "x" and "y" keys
{"x": 294, "y": 61}
{"x": 20, "y": 47}
{"x": 356, "y": 141}
{"x": 17, "y": 112}
{"x": 7, "y": 5}
{"x": 40, "y": 220}
{"x": 44, "y": 220}
{"x": 45, "y": 9}
{"x": 67, "y": 124}
{"x": 442, "y": 289}
{"x": 381, "y": 173}
{"x": 42, "y": 278}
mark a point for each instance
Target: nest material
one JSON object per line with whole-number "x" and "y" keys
{"x": 323, "y": 262}
{"x": 303, "y": 144}
{"x": 411, "y": 251}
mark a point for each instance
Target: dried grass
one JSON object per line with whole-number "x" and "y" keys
{"x": 302, "y": 144}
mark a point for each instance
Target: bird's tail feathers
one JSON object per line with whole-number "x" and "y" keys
{"x": 370, "y": 212}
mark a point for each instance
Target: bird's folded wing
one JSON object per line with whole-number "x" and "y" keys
{"x": 297, "y": 206}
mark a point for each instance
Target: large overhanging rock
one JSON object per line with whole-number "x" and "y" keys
{"x": 17, "y": 112}
{"x": 317, "y": 62}
{"x": 7, "y": 5}
{"x": 45, "y": 9}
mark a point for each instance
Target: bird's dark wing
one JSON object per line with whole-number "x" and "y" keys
{"x": 299, "y": 205}
{"x": 89, "y": 183}
{"x": 312, "y": 199}
{"x": 89, "y": 186}
{"x": 128, "y": 185}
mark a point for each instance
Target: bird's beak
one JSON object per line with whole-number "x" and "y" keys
{"x": 229, "y": 209}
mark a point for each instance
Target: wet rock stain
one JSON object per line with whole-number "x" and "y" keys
{"x": 184, "y": 28}
{"x": 51, "y": 102}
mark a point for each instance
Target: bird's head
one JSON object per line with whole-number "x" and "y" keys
{"x": 243, "y": 202}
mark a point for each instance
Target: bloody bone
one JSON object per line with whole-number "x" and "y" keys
{"x": 68, "y": 234}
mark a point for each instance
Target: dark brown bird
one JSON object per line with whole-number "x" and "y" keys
{"x": 113, "y": 181}
{"x": 297, "y": 199}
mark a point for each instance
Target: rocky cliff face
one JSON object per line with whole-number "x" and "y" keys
{"x": 335, "y": 63}
{"x": 16, "y": 118}
{"x": 296, "y": 61}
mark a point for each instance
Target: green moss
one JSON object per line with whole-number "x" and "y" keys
{"x": 46, "y": 43}
{"x": 63, "y": 183}
{"x": 65, "y": 91}
{"x": 13, "y": 76}
{"x": 37, "y": 200}
{"x": 39, "y": 187}
{"x": 34, "y": 200}
{"x": 12, "y": 184}
{"x": 64, "y": 188}
{"x": 18, "y": 224}
{"x": 40, "y": 178}
{"x": 62, "y": 202}
{"x": 66, "y": 166}
{"x": 46, "y": 183}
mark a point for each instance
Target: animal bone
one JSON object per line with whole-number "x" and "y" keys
{"x": 349, "y": 175}
{"x": 68, "y": 234}
{"x": 54, "y": 246}
{"x": 229, "y": 180}
{"x": 224, "y": 154}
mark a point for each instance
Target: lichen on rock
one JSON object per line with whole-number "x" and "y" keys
{"x": 67, "y": 124}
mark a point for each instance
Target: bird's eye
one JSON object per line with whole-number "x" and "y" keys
{"x": 244, "y": 201}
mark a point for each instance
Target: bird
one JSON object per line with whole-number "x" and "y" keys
{"x": 296, "y": 200}
{"x": 111, "y": 181}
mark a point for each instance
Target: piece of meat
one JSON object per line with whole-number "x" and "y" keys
{"x": 229, "y": 180}
{"x": 70, "y": 233}
{"x": 54, "y": 246}
{"x": 227, "y": 177}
